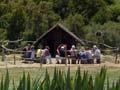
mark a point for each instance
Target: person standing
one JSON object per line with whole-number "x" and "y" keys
{"x": 73, "y": 54}
{"x": 32, "y": 53}
{"x": 97, "y": 54}
{"x": 28, "y": 51}
{"x": 24, "y": 54}
{"x": 61, "y": 51}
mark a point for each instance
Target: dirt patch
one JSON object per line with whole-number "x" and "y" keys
{"x": 27, "y": 65}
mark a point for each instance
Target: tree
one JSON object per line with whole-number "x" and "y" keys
{"x": 31, "y": 18}
{"x": 110, "y": 33}
{"x": 61, "y": 7}
{"x": 4, "y": 20}
{"x": 109, "y": 1}
{"x": 17, "y": 24}
{"x": 88, "y": 8}
{"x": 90, "y": 31}
{"x": 52, "y": 18}
{"x": 102, "y": 16}
{"x": 29, "y": 35}
{"x": 42, "y": 18}
{"x": 4, "y": 9}
{"x": 115, "y": 12}
{"x": 75, "y": 24}
{"x": 71, "y": 7}
{"x": 3, "y": 34}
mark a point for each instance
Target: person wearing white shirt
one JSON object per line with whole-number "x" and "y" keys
{"x": 97, "y": 54}
{"x": 73, "y": 54}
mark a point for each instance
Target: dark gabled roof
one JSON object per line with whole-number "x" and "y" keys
{"x": 64, "y": 29}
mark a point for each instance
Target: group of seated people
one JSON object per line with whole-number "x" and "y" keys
{"x": 83, "y": 56}
{"x": 28, "y": 52}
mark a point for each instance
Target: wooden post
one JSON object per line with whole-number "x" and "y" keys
{"x": 116, "y": 55}
{"x": 40, "y": 57}
{"x": 14, "y": 58}
{"x": 65, "y": 55}
{"x": 41, "y": 61}
{"x": 68, "y": 59}
{"x": 3, "y": 55}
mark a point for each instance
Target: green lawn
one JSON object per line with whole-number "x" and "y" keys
{"x": 112, "y": 72}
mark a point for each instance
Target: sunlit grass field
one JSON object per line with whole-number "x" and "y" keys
{"x": 113, "y": 73}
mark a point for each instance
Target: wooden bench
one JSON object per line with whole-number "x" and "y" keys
{"x": 35, "y": 60}
{"x": 71, "y": 60}
{"x": 31, "y": 60}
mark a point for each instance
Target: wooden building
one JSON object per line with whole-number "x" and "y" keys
{"x": 57, "y": 35}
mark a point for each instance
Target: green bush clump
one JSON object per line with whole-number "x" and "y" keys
{"x": 61, "y": 81}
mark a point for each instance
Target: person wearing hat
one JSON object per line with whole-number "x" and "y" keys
{"x": 61, "y": 46}
{"x": 73, "y": 54}
{"x": 61, "y": 53}
{"x": 97, "y": 54}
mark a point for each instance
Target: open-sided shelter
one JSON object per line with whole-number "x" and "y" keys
{"x": 57, "y": 35}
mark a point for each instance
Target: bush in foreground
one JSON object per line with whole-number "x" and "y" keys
{"x": 62, "y": 81}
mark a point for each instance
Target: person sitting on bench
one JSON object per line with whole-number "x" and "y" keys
{"x": 73, "y": 54}
{"x": 32, "y": 53}
{"x": 27, "y": 51}
{"x": 46, "y": 56}
{"x": 83, "y": 56}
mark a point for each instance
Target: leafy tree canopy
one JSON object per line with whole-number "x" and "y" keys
{"x": 29, "y": 19}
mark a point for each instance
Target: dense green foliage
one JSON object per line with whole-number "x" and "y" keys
{"x": 61, "y": 81}
{"x": 29, "y": 19}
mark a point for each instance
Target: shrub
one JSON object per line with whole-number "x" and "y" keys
{"x": 62, "y": 81}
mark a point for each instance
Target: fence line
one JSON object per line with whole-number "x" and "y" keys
{"x": 96, "y": 43}
{"x": 8, "y": 41}
{"x": 20, "y": 51}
